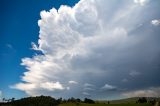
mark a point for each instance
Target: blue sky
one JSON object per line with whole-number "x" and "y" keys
{"x": 100, "y": 49}
{"x": 18, "y": 29}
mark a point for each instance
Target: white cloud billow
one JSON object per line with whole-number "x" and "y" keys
{"x": 141, "y": 2}
{"x": 82, "y": 45}
{"x": 155, "y": 22}
{"x": 73, "y": 82}
{"x": 108, "y": 87}
{"x": 32, "y": 88}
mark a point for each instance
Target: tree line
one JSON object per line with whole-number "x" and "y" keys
{"x": 43, "y": 101}
{"x": 144, "y": 100}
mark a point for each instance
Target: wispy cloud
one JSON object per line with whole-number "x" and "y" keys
{"x": 88, "y": 89}
{"x": 86, "y": 93}
{"x": 9, "y": 46}
{"x": 134, "y": 73}
{"x": 124, "y": 80}
{"x": 72, "y": 82}
{"x": 88, "y": 85}
{"x": 109, "y": 87}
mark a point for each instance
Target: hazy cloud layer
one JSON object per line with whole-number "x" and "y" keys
{"x": 151, "y": 92}
{"x": 95, "y": 45}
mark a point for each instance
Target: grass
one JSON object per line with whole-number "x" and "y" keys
{"x": 102, "y": 104}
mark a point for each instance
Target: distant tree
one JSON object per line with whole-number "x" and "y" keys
{"x": 59, "y": 100}
{"x": 78, "y": 100}
{"x": 152, "y": 101}
{"x": 86, "y": 100}
{"x": 12, "y": 99}
{"x": 108, "y": 102}
{"x": 142, "y": 100}
{"x": 34, "y": 101}
{"x": 3, "y": 99}
{"x": 73, "y": 99}
{"x": 64, "y": 100}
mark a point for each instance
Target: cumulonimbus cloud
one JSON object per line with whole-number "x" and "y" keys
{"x": 89, "y": 43}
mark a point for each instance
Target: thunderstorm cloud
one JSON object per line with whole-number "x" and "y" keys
{"x": 97, "y": 48}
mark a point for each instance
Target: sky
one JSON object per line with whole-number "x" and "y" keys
{"x": 100, "y": 49}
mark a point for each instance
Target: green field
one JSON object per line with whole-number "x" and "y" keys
{"x": 102, "y": 104}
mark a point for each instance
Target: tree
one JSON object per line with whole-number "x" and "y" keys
{"x": 142, "y": 100}
{"x": 12, "y": 99}
{"x": 86, "y": 100}
{"x": 108, "y": 102}
{"x": 59, "y": 100}
{"x": 78, "y": 100}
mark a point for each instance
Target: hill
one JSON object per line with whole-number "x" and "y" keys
{"x": 130, "y": 100}
{"x": 49, "y": 101}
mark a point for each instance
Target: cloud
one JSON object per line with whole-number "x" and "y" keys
{"x": 108, "y": 87}
{"x": 92, "y": 42}
{"x": 86, "y": 93}
{"x": 134, "y": 73}
{"x": 0, "y": 94}
{"x": 151, "y": 92}
{"x": 88, "y": 89}
{"x": 30, "y": 87}
{"x": 9, "y": 46}
{"x": 52, "y": 86}
{"x": 88, "y": 85}
{"x": 73, "y": 82}
{"x": 124, "y": 80}
{"x": 34, "y": 46}
{"x": 155, "y": 22}
{"x": 141, "y": 2}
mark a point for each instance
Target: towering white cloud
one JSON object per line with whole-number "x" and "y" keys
{"x": 87, "y": 45}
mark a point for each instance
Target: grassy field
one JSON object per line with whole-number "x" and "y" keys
{"x": 102, "y": 104}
